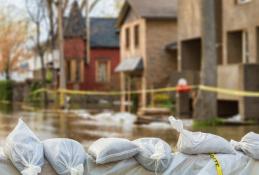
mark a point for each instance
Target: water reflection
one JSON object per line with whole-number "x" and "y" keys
{"x": 51, "y": 124}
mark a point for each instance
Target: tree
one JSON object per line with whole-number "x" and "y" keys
{"x": 13, "y": 35}
{"x": 89, "y": 6}
{"x": 206, "y": 103}
{"x": 37, "y": 12}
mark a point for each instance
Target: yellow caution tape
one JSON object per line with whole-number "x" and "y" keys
{"x": 160, "y": 90}
{"x": 111, "y": 93}
{"x": 229, "y": 91}
{"x": 217, "y": 164}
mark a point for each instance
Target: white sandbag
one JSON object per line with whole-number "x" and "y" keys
{"x": 66, "y": 156}
{"x": 249, "y": 144}
{"x": 198, "y": 142}
{"x": 25, "y": 150}
{"x": 106, "y": 150}
{"x": 154, "y": 155}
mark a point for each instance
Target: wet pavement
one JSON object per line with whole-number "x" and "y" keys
{"x": 86, "y": 128}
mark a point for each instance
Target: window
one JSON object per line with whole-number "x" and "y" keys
{"x": 102, "y": 71}
{"x": 237, "y": 47}
{"x": 127, "y": 38}
{"x": 75, "y": 70}
{"x": 79, "y": 71}
{"x": 68, "y": 70}
{"x": 136, "y": 35}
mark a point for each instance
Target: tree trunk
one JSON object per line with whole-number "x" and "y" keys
{"x": 206, "y": 102}
{"x": 43, "y": 71}
{"x": 62, "y": 77}
{"x": 51, "y": 19}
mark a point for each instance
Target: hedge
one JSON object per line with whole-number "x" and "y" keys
{"x": 6, "y": 90}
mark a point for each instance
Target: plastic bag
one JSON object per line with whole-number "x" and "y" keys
{"x": 155, "y": 154}
{"x": 198, "y": 142}
{"x": 66, "y": 156}
{"x": 106, "y": 150}
{"x": 249, "y": 144}
{"x": 24, "y": 150}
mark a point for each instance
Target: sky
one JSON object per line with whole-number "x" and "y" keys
{"x": 104, "y": 8}
{"x": 17, "y": 9}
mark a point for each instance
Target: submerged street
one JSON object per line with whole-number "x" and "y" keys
{"x": 86, "y": 128}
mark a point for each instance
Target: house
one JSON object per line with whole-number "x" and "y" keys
{"x": 238, "y": 48}
{"x": 146, "y": 29}
{"x": 29, "y": 68}
{"x": 97, "y": 72}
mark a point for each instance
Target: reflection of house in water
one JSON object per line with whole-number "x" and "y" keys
{"x": 237, "y": 37}
{"x": 147, "y": 59}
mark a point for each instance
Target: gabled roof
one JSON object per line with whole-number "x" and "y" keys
{"x": 104, "y": 33}
{"x": 74, "y": 24}
{"x": 150, "y": 9}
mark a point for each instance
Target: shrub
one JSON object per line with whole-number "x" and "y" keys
{"x": 6, "y": 90}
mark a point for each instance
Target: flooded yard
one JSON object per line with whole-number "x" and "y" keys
{"x": 86, "y": 128}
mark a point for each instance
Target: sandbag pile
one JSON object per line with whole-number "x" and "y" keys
{"x": 27, "y": 152}
{"x": 198, "y": 142}
{"x": 24, "y": 150}
{"x": 68, "y": 157}
{"x": 154, "y": 154}
{"x": 249, "y": 145}
{"x": 107, "y": 150}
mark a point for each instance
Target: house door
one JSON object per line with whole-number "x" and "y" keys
{"x": 135, "y": 97}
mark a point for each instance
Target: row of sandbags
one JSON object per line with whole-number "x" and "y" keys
{"x": 67, "y": 157}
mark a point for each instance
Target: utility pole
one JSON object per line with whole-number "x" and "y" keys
{"x": 206, "y": 102}
{"x": 89, "y": 7}
{"x": 88, "y": 32}
{"x": 62, "y": 72}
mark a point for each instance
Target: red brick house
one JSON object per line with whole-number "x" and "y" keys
{"x": 96, "y": 72}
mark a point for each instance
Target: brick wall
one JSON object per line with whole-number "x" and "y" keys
{"x": 112, "y": 55}
{"x": 160, "y": 64}
{"x": 74, "y": 48}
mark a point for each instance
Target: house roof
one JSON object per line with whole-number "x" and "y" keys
{"x": 104, "y": 33}
{"x": 152, "y": 9}
{"x": 74, "y": 24}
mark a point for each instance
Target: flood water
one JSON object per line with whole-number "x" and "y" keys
{"x": 78, "y": 126}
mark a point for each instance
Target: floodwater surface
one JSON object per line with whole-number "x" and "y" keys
{"x": 85, "y": 128}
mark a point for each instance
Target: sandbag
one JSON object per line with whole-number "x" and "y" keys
{"x": 66, "y": 156}
{"x": 198, "y": 142}
{"x": 106, "y": 150}
{"x": 154, "y": 154}
{"x": 24, "y": 150}
{"x": 249, "y": 144}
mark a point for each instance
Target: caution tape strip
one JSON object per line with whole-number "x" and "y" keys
{"x": 218, "y": 90}
{"x": 229, "y": 91}
{"x": 111, "y": 93}
{"x": 217, "y": 164}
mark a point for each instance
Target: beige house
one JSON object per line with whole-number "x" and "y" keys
{"x": 238, "y": 50}
{"x": 147, "y": 27}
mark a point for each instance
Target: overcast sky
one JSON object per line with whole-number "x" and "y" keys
{"x": 17, "y": 9}
{"x": 104, "y": 8}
